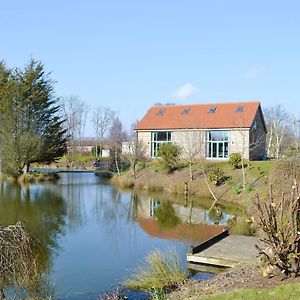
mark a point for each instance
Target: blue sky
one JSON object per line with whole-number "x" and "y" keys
{"x": 128, "y": 55}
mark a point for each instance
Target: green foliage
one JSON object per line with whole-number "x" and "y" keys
{"x": 168, "y": 154}
{"x": 144, "y": 164}
{"x": 158, "y": 294}
{"x": 160, "y": 271}
{"x": 217, "y": 176}
{"x": 249, "y": 187}
{"x": 238, "y": 189}
{"x": 235, "y": 159}
{"x": 166, "y": 216}
{"x": 31, "y": 129}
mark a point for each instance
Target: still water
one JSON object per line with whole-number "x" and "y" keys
{"x": 93, "y": 235}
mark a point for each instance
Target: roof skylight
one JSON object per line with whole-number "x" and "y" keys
{"x": 212, "y": 109}
{"x": 185, "y": 111}
{"x": 240, "y": 109}
{"x": 160, "y": 112}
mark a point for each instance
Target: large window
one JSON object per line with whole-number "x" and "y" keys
{"x": 158, "y": 138}
{"x": 217, "y": 144}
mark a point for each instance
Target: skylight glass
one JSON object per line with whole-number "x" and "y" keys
{"x": 185, "y": 111}
{"x": 212, "y": 109}
{"x": 240, "y": 109}
{"x": 160, "y": 112}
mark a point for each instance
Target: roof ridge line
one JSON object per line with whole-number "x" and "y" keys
{"x": 199, "y": 104}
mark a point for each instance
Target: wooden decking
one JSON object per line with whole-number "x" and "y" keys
{"x": 225, "y": 251}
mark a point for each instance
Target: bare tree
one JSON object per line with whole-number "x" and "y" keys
{"x": 252, "y": 139}
{"x": 295, "y": 143}
{"x": 102, "y": 119}
{"x": 277, "y": 123}
{"x": 133, "y": 152}
{"x": 194, "y": 146}
{"x": 75, "y": 112}
{"x": 82, "y": 113}
{"x": 70, "y": 107}
{"x": 117, "y": 136}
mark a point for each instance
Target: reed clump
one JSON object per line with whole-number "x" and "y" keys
{"x": 160, "y": 271}
{"x": 18, "y": 258}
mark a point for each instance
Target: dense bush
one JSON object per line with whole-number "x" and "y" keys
{"x": 235, "y": 159}
{"x": 217, "y": 176}
{"x": 168, "y": 154}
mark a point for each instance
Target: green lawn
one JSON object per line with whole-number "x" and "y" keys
{"x": 282, "y": 292}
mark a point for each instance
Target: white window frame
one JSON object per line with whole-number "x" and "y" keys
{"x": 155, "y": 142}
{"x": 209, "y": 145}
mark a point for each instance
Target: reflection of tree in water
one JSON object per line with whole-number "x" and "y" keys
{"x": 112, "y": 210}
{"x": 40, "y": 210}
{"x": 216, "y": 215}
{"x": 166, "y": 215}
{"x": 73, "y": 188}
{"x": 133, "y": 208}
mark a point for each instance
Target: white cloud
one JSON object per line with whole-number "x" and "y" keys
{"x": 185, "y": 92}
{"x": 254, "y": 72}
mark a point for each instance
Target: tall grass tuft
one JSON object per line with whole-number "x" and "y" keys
{"x": 160, "y": 271}
{"x": 19, "y": 254}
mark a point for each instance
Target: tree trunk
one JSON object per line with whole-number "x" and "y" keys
{"x": 270, "y": 142}
{"x": 186, "y": 190}
{"x": 133, "y": 170}
{"x": 116, "y": 162}
{"x": 100, "y": 148}
{"x": 27, "y": 167}
{"x": 191, "y": 171}
{"x": 2, "y": 295}
{"x": 210, "y": 190}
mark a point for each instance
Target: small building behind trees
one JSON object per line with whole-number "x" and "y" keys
{"x": 206, "y": 131}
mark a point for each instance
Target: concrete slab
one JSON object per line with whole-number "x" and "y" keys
{"x": 228, "y": 252}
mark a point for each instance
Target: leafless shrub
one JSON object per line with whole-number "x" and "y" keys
{"x": 280, "y": 222}
{"x": 18, "y": 258}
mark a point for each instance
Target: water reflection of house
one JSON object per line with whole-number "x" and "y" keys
{"x": 193, "y": 233}
{"x": 187, "y": 214}
{"x": 194, "y": 225}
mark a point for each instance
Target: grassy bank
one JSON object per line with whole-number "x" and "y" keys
{"x": 282, "y": 292}
{"x": 152, "y": 177}
{"x": 34, "y": 177}
{"x": 78, "y": 161}
{"x": 239, "y": 283}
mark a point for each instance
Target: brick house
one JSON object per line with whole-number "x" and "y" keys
{"x": 210, "y": 131}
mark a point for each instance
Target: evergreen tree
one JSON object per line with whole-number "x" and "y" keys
{"x": 31, "y": 127}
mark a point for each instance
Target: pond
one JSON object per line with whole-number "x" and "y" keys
{"x": 94, "y": 235}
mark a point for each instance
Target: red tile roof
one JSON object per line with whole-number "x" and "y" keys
{"x": 198, "y": 116}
